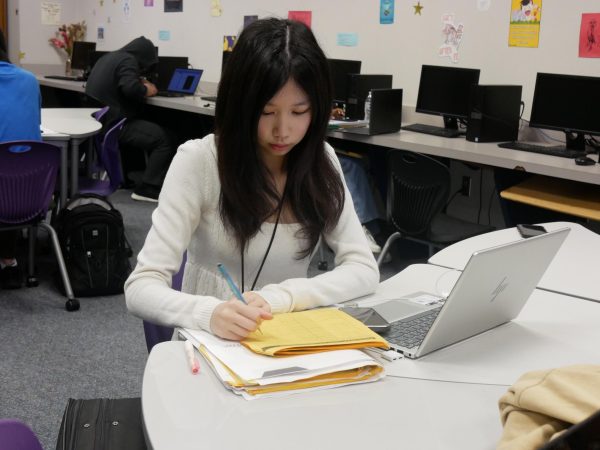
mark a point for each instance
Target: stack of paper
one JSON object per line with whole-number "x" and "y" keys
{"x": 255, "y": 375}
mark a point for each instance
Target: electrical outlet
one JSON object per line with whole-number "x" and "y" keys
{"x": 466, "y": 186}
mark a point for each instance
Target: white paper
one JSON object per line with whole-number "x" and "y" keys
{"x": 50, "y": 13}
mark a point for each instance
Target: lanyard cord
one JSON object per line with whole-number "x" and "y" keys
{"x": 268, "y": 247}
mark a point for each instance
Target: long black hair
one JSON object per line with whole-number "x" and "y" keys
{"x": 267, "y": 54}
{"x": 3, "y": 48}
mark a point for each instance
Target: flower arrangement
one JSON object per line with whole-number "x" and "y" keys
{"x": 66, "y": 35}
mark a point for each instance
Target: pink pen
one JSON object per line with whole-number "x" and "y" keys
{"x": 192, "y": 360}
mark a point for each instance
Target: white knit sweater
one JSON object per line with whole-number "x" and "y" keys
{"x": 187, "y": 217}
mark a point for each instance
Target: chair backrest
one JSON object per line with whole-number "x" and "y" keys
{"x": 418, "y": 188}
{"x": 28, "y": 172}
{"x": 100, "y": 113}
{"x": 15, "y": 435}
{"x": 109, "y": 155}
{"x": 156, "y": 334}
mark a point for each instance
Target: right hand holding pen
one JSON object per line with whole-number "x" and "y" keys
{"x": 234, "y": 320}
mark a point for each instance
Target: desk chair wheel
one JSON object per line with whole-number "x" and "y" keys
{"x": 322, "y": 265}
{"x": 72, "y": 304}
{"x": 31, "y": 282}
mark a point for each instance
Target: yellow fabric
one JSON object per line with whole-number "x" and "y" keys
{"x": 315, "y": 330}
{"x": 543, "y": 403}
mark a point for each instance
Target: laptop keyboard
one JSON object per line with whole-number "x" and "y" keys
{"x": 410, "y": 332}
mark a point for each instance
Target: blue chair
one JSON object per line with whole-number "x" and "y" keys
{"x": 156, "y": 334}
{"x": 15, "y": 435}
{"x": 28, "y": 172}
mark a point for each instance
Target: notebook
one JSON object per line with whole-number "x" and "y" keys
{"x": 183, "y": 82}
{"x": 492, "y": 290}
{"x": 386, "y": 113}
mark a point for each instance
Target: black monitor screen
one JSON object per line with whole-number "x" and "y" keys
{"x": 165, "y": 68}
{"x": 339, "y": 70}
{"x": 445, "y": 90}
{"x": 566, "y": 102}
{"x": 82, "y": 53}
{"x": 95, "y": 56}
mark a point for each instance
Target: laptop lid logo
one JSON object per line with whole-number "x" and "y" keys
{"x": 501, "y": 287}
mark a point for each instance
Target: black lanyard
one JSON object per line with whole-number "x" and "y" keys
{"x": 268, "y": 247}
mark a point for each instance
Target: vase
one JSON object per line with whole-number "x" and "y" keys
{"x": 68, "y": 70}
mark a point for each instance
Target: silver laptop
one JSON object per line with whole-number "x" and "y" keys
{"x": 492, "y": 290}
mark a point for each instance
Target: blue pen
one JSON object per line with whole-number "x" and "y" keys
{"x": 233, "y": 287}
{"x": 231, "y": 284}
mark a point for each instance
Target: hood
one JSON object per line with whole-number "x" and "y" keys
{"x": 144, "y": 52}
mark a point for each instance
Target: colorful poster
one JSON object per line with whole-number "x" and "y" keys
{"x": 453, "y": 34}
{"x": 386, "y": 12}
{"x": 164, "y": 35}
{"x": 173, "y": 5}
{"x": 347, "y": 39}
{"x": 100, "y": 33}
{"x": 249, "y": 19}
{"x": 149, "y": 3}
{"x": 301, "y": 16}
{"x": 228, "y": 42}
{"x": 589, "y": 36}
{"x": 525, "y": 18}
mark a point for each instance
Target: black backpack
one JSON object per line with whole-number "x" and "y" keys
{"x": 94, "y": 246}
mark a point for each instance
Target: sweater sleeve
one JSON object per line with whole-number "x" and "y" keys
{"x": 148, "y": 291}
{"x": 355, "y": 273}
{"x": 128, "y": 80}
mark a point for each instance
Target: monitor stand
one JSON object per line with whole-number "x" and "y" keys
{"x": 450, "y": 123}
{"x": 575, "y": 141}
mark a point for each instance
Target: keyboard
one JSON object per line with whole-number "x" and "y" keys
{"x": 209, "y": 98}
{"x": 410, "y": 332}
{"x": 558, "y": 150}
{"x": 169, "y": 94}
{"x": 64, "y": 77}
{"x": 433, "y": 130}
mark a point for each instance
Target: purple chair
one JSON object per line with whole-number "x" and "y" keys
{"x": 28, "y": 172}
{"x": 15, "y": 435}
{"x": 155, "y": 334}
{"x": 109, "y": 159}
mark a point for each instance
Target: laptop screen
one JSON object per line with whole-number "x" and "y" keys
{"x": 185, "y": 81}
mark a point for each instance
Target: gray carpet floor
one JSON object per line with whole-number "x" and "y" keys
{"x": 48, "y": 355}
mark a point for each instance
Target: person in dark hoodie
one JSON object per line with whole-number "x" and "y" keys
{"x": 20, "y": 117}
{"x": 118, "y": 80}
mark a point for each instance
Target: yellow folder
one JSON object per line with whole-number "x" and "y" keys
{"x": 315, "y": 330}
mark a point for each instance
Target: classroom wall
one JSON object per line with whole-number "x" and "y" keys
{"x": 400, "y": 48}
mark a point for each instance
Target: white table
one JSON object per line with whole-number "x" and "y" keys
{"x": 446, "y": 399}
{"x": 574, "y": 270}
{"x": 78, "y": 124}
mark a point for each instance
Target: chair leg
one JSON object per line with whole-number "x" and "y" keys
{"x": 32, "y": 280}
{"x": 394, "y": 237}
{"x": 72, "y": 303}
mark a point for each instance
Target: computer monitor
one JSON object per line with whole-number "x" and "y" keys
{"x": 445, "y": 91}
{"x": 339, "y": 70}
{"x": 165, "y": 68}
{"x": 82, "y": 52}
{"x": 569, "y": 103}
{"x": 95, "y": 56}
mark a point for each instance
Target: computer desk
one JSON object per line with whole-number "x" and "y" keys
{"x": 455, "y": 148}
{"x": 447, "y": 399}
{"x": 573, "y": 271}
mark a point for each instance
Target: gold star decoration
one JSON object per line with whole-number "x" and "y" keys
{"x": 101, "y": 2}
{"x": 418, "y": 8}
{"x": 21, "y": 56}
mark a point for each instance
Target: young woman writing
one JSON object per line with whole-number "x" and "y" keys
{"x": 257, "y": 196}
